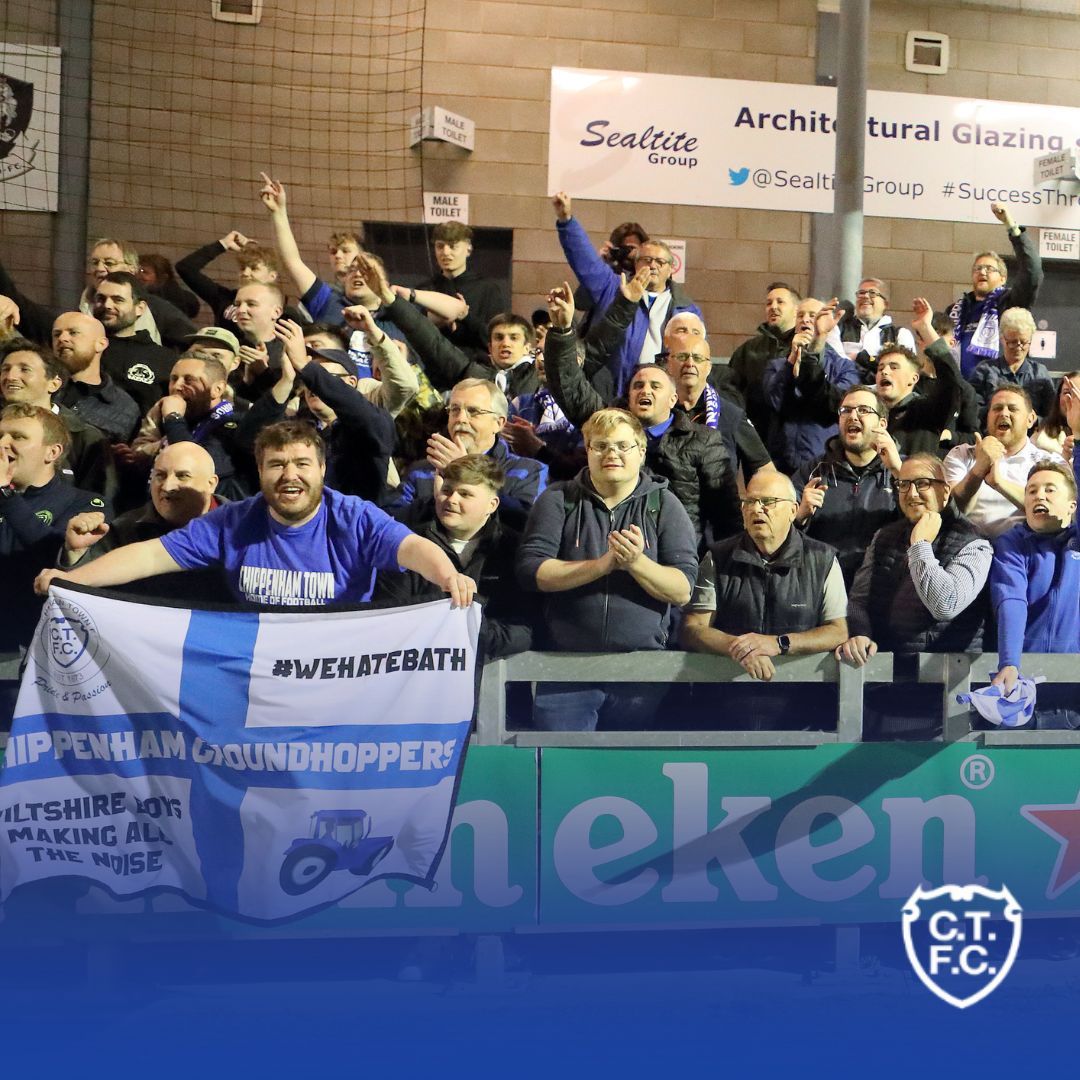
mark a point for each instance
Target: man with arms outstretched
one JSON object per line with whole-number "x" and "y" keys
{"x": 295, "y": 544}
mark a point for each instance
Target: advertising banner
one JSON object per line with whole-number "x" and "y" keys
{"x": 634, "y": 137}
{"x": 834, "y": 834}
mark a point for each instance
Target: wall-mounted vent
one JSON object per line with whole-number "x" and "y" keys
{"x": 237, "y": 11}
{"x": 927, "y": 52}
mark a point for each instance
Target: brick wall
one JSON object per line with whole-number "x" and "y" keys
{"x": 188, "y": 111}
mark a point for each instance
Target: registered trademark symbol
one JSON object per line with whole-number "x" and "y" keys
{"x": 977, "y": 772}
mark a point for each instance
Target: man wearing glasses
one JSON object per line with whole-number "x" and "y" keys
{"x": 848, "y": 492}
{"x": 663, "y": 297}
{"x": 612, "y": 551}
{"x": 862, "y": 336}
{"x": 922, "y": 587}
{"x": 1015, "y": 366}
{"x": 165, "y": 323}
{"x": 476, "y": 416}
{"x": 689, "y": 363}
{"x": 976, "y": 314}
{"x": 770, "y": 591}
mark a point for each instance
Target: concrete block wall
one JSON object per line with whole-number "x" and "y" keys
{"x": 187, "y": 112}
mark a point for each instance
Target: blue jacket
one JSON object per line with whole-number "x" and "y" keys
{"x": 990, "y": 376}
{"x": 1035, "y": 590}
{"x": 526, "y": 478}
{"x": 603, "y": 283}
{"x": 806, "y": 406}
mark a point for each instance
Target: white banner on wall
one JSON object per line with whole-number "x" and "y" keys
{"x": 29, "y": 126}
{"x": 633, "y": 137}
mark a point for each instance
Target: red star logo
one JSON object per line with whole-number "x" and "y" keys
{"x": 1062, "y": 822}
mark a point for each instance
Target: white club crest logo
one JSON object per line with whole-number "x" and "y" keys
{"x": 69, "y": 646}
{"x": 962, "y": 940}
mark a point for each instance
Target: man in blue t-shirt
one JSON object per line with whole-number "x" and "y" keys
{"x": 295, "y": 544}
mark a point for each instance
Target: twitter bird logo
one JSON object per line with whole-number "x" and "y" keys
{"x": 738, "y": 176}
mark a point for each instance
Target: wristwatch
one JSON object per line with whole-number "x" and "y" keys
{"x": 784, "y": 642}
{"x": 172, "y": 416}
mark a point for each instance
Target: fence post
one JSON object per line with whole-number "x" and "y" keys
{"x": 850, "y": 684}
{"x": 491, "y": 710}
{"x": 955, "y": 718}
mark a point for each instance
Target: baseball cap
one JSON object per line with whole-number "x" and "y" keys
{"x": 219, "y": 336}
{"x": 338, "y": 356}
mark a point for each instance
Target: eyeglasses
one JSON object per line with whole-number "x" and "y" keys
{"x": 766, "y": 502}
{"x": 986, "y": 268}
{"x": 651, "y": 260}
{"x": 868, "y": 294}
{"x": 109, "y": 264}
{"x": 622, "y": 448}
{"x": 471, "y": 411}
{"x": 1017, "y": 343}
{"x": 682, "y": 357}
{"x": 921, "y": 484}
{"x": 858, "y": 410}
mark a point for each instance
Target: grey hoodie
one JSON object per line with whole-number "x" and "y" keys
{"x": 613, "y": 614}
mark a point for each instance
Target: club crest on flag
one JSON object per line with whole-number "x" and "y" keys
{"x": 69, "y": 643}
{"x": 962, "y": 940}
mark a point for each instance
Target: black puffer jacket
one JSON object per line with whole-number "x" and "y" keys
{"x": 693, "y": 458}
{"x": 747, "y": 367}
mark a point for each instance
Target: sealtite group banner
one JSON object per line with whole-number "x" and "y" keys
{"x": 260, "y": 764}
{"x": 636, "y": 137}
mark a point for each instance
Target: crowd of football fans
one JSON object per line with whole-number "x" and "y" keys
{"x": 863, "y": 474}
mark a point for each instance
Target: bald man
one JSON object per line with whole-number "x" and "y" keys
{"x": 182, "y": 487}
{"x": 78, "y": 341}
{"x": 771, "y": 591}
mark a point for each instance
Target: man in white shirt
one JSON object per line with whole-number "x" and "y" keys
{"x": 988, "y": 478}
{"x": 862, "y": 337}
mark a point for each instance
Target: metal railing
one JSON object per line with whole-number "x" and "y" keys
{"x": 955, "y": 673}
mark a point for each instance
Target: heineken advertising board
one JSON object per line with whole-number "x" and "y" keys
{"x": 832, "y": 834}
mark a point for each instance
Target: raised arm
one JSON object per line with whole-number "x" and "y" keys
{"x": 573, "y": 392}
{"x": 444, "y": 363}
{"x": 1024, "y": 286}
{"x": 274, "y": 199}
{"x": 399, "y": 383}
{"x": 591, "y": 270}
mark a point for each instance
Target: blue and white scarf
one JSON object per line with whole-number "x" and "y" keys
{"x": 984, "y": 341}
{"x": 712, "y": 406}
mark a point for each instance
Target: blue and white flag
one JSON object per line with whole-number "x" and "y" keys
{"x": 262, "y": 765}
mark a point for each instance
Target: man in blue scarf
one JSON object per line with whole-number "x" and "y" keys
{"x": 975, "y": 315}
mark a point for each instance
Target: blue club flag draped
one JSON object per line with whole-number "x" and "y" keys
{"x": 260, "y": 764}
